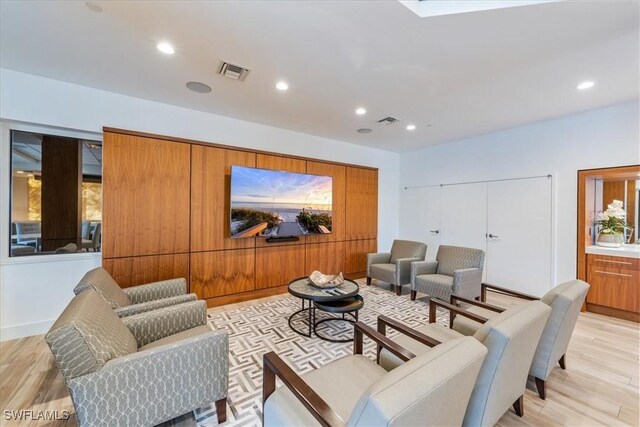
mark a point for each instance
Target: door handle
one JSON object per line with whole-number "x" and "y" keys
{"x": 435, "y": 231}
{"x": 493, "y": 236}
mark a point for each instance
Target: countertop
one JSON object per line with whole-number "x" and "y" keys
{"x": 626, "y": 251}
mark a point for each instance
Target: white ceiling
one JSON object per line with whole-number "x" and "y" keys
{"x": 466, "y": 74}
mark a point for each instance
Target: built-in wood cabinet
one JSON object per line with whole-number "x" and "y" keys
{"x": 615, "y": 284}
{"x": 278, "y": 265}
{"x": 131, "y": 271}
{"x": 167, "y": 208}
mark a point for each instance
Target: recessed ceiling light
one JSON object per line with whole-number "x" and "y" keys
{"x": 411, "y": 127}
{"x": 364, "y": 130}
{"x": 93, "y": 6}
{"x": 198, "y": 87}
{"x": 361, "y": 111}
{"x": 282, "y": 86}
{"x": 585, "y": 85}
{"x": 165, "y": 47}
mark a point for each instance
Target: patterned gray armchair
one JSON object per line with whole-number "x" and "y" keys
{"x": 395, "y": 267}
{"x": 136, "y": 299}
{"x": 141, "y": 370}
{"x": 456, "y": 270}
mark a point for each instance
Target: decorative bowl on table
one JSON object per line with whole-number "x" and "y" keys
{"x": 326, "y": 281}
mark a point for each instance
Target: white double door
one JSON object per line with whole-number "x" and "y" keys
{"x": 510, "y": 220}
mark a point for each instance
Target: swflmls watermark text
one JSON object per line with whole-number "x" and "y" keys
{"x": 31, "y": 415}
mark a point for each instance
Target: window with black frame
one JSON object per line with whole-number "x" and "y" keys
{"x": 56, "y": 194}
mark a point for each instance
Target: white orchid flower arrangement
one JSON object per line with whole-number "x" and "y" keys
{"x": 613, "y": 219}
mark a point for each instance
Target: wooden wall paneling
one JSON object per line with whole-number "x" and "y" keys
{"x": 338, "y": 173}
{"x": 61, "y": 192}
{"x": 145, "y": 196}
{"x": 355, "y": 255}
{"x": 327, "y": 258}
{"x": 612, "y": 190}
{"x": 277, "y": 266}
{"x": 361, "y": 203}
{"x": 219, "y": 273}
{"x": 280, "y": 163}
{"x": 135, "y": 271}
{"x": 210, "y": 197}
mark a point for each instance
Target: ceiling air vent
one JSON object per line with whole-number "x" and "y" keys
{"x": 387, "y": 121}
{"x": 235, "y": 72}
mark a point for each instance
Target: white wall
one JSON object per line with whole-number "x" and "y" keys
{"x": 32, "y": 294}
{"x": 599, "y": 138}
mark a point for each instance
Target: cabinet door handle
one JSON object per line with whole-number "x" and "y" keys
{"x": 435, "y": 231}
{"x": 614, "y": 262}
{"x": 493, "y": 236}
{"x": 613, "y": 274}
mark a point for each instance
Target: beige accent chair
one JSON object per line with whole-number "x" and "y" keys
{"x": 565, "y": 301}
{"x": 395, "y": 267}
{"x": 456, "y": 270}
{"x": 431, "y": 389}
{"x": 511, "y": 338}
{"x": 135, "y": 299}
{"x": 140, "y": 370}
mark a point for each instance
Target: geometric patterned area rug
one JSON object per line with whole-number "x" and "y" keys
{"x": 258, "y": 329}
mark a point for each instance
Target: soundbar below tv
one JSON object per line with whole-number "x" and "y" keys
{"x": 278, "y": 204}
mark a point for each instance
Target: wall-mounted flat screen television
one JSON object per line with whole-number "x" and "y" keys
{"x": 277, "y": 203}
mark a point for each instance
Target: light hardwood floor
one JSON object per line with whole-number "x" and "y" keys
{"x": 599, "y": 387}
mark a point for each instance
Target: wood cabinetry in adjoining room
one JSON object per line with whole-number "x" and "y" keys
{"x": 615, "y": 284}
{"x": 167, "y": 214}
{"x": 613, "y": 271}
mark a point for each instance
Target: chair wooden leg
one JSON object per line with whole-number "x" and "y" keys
{"x": 541, "y": 391}
{"x": 518, "y": 406}
{"x": 398, "y": 290}
{"x": 221, "y": 410}
{"x": 368, "y": 281}
{"x": 413, "y": 295}
{"x": 561, "y": 363}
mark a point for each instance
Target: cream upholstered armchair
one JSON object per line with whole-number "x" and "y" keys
{"x": 395, "y": 267}
{"x": 565, "y": 301}
{"x": 431, "y": 389}
{"x": 139, "y": 370}
{"x": 136, "y": 299}
{"x": 456, "y": 270}
{"x": 511, "y": 338}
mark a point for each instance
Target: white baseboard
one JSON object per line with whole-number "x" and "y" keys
{"x": 25, "y": 330}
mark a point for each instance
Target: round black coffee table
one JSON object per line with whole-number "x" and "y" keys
{"x": 303, "y": 289}
{"x": 345, "y": 306}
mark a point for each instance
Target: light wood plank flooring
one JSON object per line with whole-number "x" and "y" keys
{"x": 599, "y": 387}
